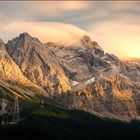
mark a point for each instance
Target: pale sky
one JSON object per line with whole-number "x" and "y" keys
{"x": 114, "y": 25}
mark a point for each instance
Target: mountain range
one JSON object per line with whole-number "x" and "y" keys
{"x": 80, "y": 76}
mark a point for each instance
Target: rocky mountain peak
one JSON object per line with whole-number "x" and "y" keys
{"x": 38, "y": 63}
{"x": 97, "y": 81}
{"x": 86, "y": 38}
{"x": 25, "y": 34}
{"x": 86, "y": 41}
{"x": 96, "y": 45}
{"x": 12, "y": 75}
{"x": 91, "y": 46}
{"x": 23, "y": 37}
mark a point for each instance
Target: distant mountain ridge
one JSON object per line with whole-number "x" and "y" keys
{"x": 81, "y": 77}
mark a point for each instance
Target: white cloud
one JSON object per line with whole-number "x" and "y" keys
{"x": 113, "y": 36}
{"x": 115, "y": 24}
{"x": 44, "y": 31}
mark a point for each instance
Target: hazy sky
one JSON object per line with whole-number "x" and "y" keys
{"x": 114, "y": 25}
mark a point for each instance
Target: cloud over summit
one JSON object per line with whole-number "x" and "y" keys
{"x": 115, "y": 24}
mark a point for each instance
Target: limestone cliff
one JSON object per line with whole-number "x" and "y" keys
{"x": 114, "y": 96}
{"x": 38, "y": 64}
{"x": 11, "y": 74}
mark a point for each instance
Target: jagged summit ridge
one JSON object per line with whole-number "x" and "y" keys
{"x": 100, "y": 80}
{"x": 11, "y": 73}
{"x": 37, "y": 63}
{"x": 82, "y": 76}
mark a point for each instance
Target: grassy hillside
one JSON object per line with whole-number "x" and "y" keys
{"x": 54, "y": 121}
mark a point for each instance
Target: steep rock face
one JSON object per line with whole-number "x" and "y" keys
{"x": 82, "y": 63}
{"x": 11, "y": 73}
{"x": 133, "y": 69}
{"x": 38, "y": 64}
{"x": 74, "y": 66}
{"x": 115, "y": 96}
{"x": 116, "y": 62}
{"x": 92, "y": 47}
{"x": 101, "y": 81}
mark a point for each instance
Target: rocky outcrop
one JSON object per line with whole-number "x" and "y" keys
{"x": 133, "y": 69}
{"x": 115, "y": 96}
{"x": 112, "y": 91}
{"x": 12, "y": 75}
{"x": 38, "y": 64}
{"x": 73, "y": 64}
{"x": 88, "y": 60}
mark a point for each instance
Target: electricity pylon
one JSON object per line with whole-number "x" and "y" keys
{"x": 16, "y": 118}
{"x": 3, "y": 110}
{"x": 42, "y": 104}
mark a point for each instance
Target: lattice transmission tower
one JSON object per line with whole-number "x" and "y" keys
{"x": 16, "y": 117}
